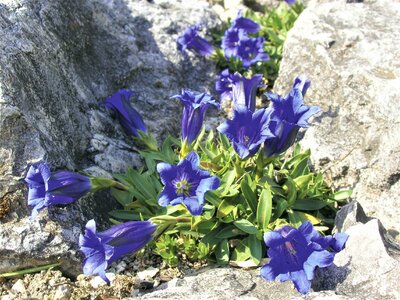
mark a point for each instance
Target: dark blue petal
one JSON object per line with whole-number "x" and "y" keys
{"x": 69, "y": 184}
{"x": 190, "y": 40}
{"x": 128, "y": 117}
{"x": 167, "y": 172}
{"x": 166, "y": 196}
{"x": 301, "y": 283}
{"x": 195, "y": 106}
{"x": 193, "y": 206}
{"x": 246, "y": 24}
{"x": 244, "y": 92}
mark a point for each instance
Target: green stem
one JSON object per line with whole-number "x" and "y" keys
{"x": 28, "y": 271}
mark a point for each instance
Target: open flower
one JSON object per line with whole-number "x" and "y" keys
{"x": 236, "y": 33}
{"x": 250, "y": 51}
{"x": 289, "y": 114}
{"x": 247, "y": 130}
{"x": 191, "y": 40}
{"x": 225, "y": 83}
{"x": 245, "y": 24}
{"x": 244, "y": 91}
{"x": 195, "y": 105}
{"x": 128, "y": 117}
{"x": 186, "y": 183}
{"x": 295, "y": 253}
{"x": 102, "y": 248}
{"x": 46, "y": 189}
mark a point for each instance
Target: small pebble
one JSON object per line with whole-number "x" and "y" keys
{"x": 63, "y": 292}
{"x": 148, "y": 273}
{"x": 19, "y": 287}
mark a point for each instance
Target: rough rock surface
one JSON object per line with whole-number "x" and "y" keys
{"x": 366, "y": 269}
{"x": 57, "y": 59}
{"x": 350, "y": 53}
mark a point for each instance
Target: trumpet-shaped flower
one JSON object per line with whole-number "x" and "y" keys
{"x": 250, "y": 51}
{"x": 245, "y": 24}
{"x": 46, "y": 189}
{"x": 103, "y": 248}
{"x": 289, "y": 114}
{"x": 247, "y": 130}
{"x": 191, "y": 40}
{"x": 225, "y": 83}
{"x": 236, "y": 33}
{"x": 244, "y": 91}
{"x": 295, "y": 253}
{"x": 186, "y": 183}
{"x": 128, "y": 117}
{"x": 195, "y": 105}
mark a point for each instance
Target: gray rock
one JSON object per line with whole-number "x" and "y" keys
{"x": 349, "y": 215}
{"x": 350, "y": 53}
{"x": 57, "y": 59}
{"x": 364, "y": 269}
{"x": 222, "y": 284}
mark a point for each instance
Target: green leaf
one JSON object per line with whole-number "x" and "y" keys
{"x": 303, "y": 181}
{"x": 224, "y": 208}
{"x": 249, "y": 195}
{"x": 308, "y": 204}
{"x": 125, "y": 215}
{"x": 342, "y": 195}
{"x": 245, "y": 226}
{"x": 300, "y": 168}
{"x": 291, "y": 191}
{"x": 222, "y": 252}
{"x": 241, "y": 251}
{"x": 264, "y": 208}
{"x": 227, "y": 232}
{"x": 255, "y": 249}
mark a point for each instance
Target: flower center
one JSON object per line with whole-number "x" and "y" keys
{"x": 290, "y": 247}
{"x": 183, "y": 187}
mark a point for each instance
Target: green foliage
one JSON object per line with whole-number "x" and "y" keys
{"x": 275, "y": 24}
{"x": 256, "y": 195}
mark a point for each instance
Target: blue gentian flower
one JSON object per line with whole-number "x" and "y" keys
{"x": 245, "y": 24}
{"x": 103, "y": 248}
{"x": 295, "y": 253}
{"x": 247, "y": 130}
{"x": 225, "y": 82}
{"x": 186, "y": 183}
{"x": 128, "y": 117}
{"x": 236, "y": 33}
{"x": 289, "y": 114}
{"x": 244, "y": 91}
{"x": 250, "y": 51}
{"x": 191, "y": 40}
{"x": 195, "y": 105}
{"x": 230, "y": 41}
{"x": 290, "y": 2}
{"x": 46, "y": 189}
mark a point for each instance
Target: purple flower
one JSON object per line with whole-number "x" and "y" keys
{"x": 290, "y": 2}
{"x": 225, "y": 82}
{"x": 127, "y": 116}
{"x": 244, "y": 91}
{"x": 62, "y": 187}
{"x": 245, "y": 24}
{"x": 250, "y": 51}
{"x": 186, "y": 183}
{"x": 247, "y": 130}
{"x": 289, "y": 114}
{"x": 102, "y": 248}
{"x": 195, "y": 105}
{"x": 191, "y": 40}
{"x": 230, "y": 41}
{"x": 295, "y": 253}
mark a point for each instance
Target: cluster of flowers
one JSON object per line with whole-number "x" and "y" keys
{"x": 294, "y": 252}
{"x": 236, "y": 42}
